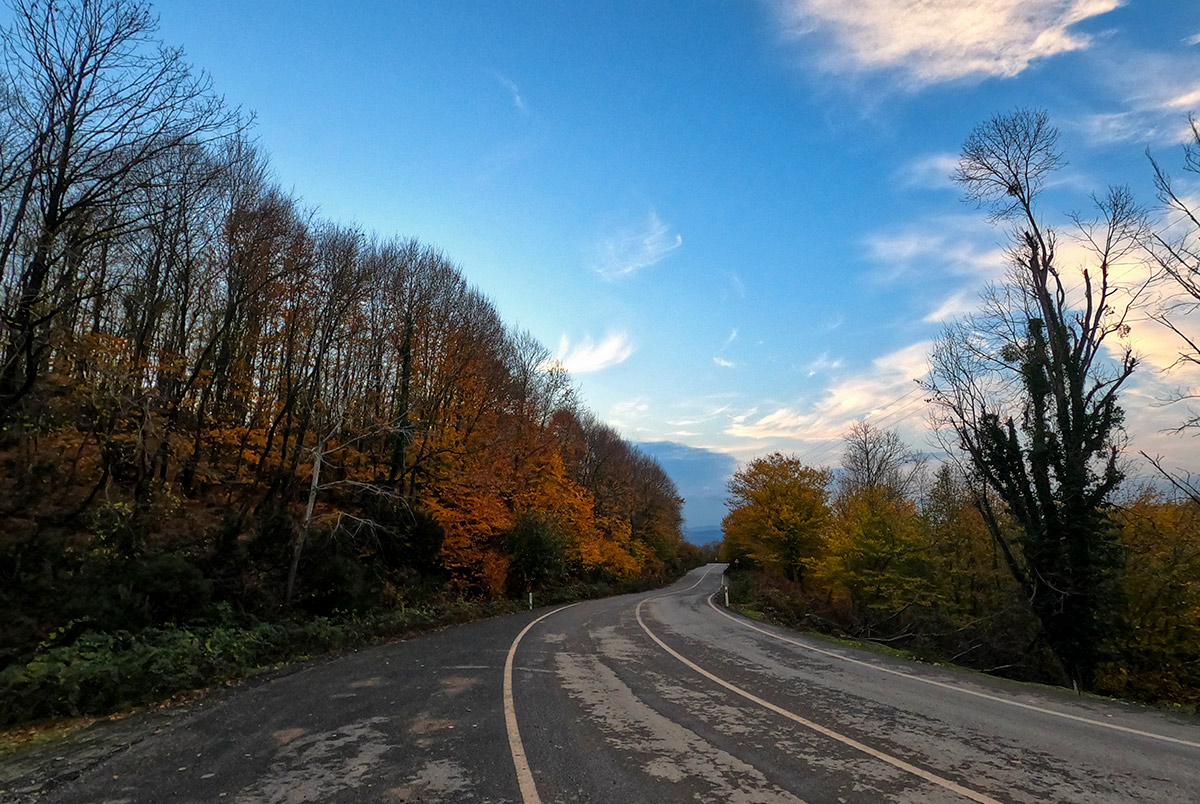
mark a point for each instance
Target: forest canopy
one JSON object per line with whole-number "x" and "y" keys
{"x": 218, "y": 406}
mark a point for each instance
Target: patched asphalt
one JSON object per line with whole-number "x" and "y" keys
{"x": 608, "y": 715}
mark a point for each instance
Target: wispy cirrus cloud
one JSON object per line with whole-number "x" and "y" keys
{"x": 588, "y": 355}
{"x": 947, "y": 245}
{"x": 628, "y": 414}
{"x": 633, "y": 248}
{"x": 1154, "y": 93}
{"x": 725, "y": 362}
{"x": 925, "y": 42}
{"x": 929, "y": 172}
{"x": 822, "y": 364}
{"x": 518, "y": 99}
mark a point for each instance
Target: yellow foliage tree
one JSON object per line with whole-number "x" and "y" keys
{"x": 1157, "y": 647}
{"x": 877, "y": 554}
{"x": 779, "y": 514}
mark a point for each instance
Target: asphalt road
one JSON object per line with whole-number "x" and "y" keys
{"x": 658, "y": 697}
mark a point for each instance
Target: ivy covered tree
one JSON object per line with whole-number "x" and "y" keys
{"x": 1029, "y": 387}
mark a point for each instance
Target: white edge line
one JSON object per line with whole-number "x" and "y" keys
{"x": 529, "y": 793}
{"x": 966, "y": 792}
{"x": 945, "y": 686}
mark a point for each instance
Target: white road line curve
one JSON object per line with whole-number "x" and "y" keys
{"x": 981, "y": 798}
{"x": 963, "y": 690}
{"x": 529, "y": 793}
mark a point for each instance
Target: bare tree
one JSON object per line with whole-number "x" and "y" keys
{"x": 1178, "y": 258}
{"x": 92, "y": 103}
{"x": 1029, "y": 389}
{"x": 1178, "y": 255}
{"x": 878, "y": 460}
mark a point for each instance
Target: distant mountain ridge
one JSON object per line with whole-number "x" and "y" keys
{"x": 702, "y": 476}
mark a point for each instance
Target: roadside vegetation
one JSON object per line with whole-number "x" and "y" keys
{"x": 232, "y": 432}
{"x": 1027, "y": 552}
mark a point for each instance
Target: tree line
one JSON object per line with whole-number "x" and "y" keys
{"x": 210, "y": 397}
{"x": 1028, "y": 551}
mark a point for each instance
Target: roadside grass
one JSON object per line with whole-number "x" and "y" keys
{"x": 751, "y": 611}
{"x": 64, "y": 688}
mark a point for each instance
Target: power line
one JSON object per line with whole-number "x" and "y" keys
{"x": 837, "y": 439}
{"x": 906, "y": 411}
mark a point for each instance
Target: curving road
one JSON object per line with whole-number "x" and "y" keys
{"x": 658, "y": 697}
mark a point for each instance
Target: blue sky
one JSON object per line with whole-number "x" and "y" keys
{"x": 731, "y": 219}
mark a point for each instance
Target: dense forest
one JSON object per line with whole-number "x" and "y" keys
{"x": 1028, "y": 550}
{"x": 220, "y": 411}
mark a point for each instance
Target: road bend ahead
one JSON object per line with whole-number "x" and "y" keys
{"x": 660, "y": 697}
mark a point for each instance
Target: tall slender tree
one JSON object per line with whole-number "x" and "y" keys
{"x": 1029, "y": 390}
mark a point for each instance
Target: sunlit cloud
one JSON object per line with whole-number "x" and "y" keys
{"x": 630, "y": 250}
{"x": 588, "y": 355}
{"x": 887, "y": 391}
{"x": 723, "y": 363}
{"x": 927, "y": 42}
{"x": 954, "y": 306}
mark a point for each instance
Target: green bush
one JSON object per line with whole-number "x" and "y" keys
{"x": 100, "y": 672}
{"x": 97, "y": 672}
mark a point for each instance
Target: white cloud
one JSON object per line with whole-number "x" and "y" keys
{"x": 705, "y": 415}
{"x": 739, "y": 287}
{"x": 932, "y": 41}
{"x": 1193, "y": 40}
{"x": 1118, "y": 127}
{"x": 722, "y": 361}
{"x": 930, "y": 172}
{"x": 626, "y": 413}
{"x": 515, "y": 91}
{"x": 632, "y": 249}
{"x": 949, "y": 245}
{"x": 1155, "y": 92}
{"x": 822, "y": 363}
{"x": 587, "y": 355}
